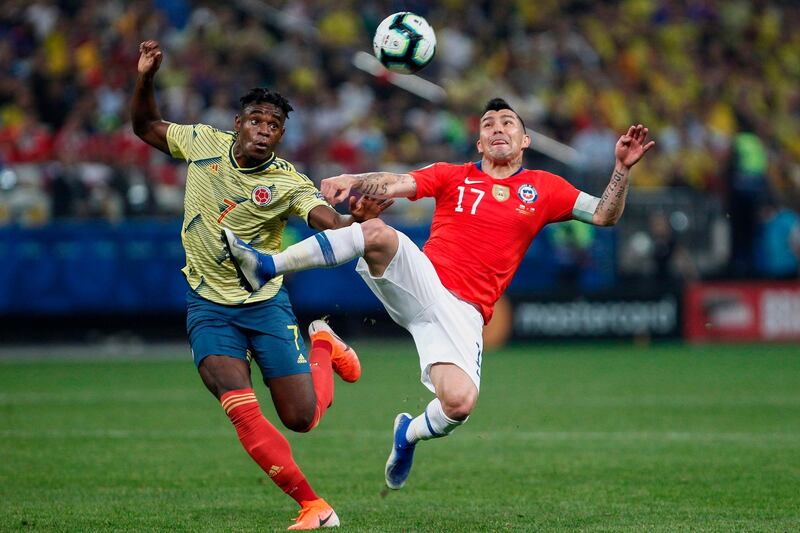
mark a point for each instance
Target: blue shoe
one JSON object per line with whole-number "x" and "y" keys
{"x": 253, "y": 268}
{"x": 402, "y": 455}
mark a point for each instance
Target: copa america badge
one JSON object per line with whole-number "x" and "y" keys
{"x": 261, "y": 195}
{"x": 527, "y": 193}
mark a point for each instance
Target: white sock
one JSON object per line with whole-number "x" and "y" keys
{"x": 431, "y": 424}
{"x": 328, "y": 248}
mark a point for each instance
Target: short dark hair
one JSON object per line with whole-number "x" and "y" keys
{"x": 498, "y": 104}
{"x": 261, "y": 95}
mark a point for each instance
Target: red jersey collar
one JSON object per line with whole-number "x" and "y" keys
{"x": 479, "y": 165}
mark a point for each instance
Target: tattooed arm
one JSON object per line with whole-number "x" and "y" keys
{"x": 372, "y": 184}
{"x": 629, "y": 150}
{"x": 612, "y": 203}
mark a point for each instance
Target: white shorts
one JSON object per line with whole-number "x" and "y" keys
{"x": 445, "y": 328}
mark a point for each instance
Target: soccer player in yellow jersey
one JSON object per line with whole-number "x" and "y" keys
{"x": 236, "y": 181}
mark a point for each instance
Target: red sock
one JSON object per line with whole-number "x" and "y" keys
{"x": 322, "y": 376}
{"x": 265, "y": 444}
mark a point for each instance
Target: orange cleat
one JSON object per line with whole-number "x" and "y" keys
{"x": 314, "y": 515}
{"x": 343, "y": 358}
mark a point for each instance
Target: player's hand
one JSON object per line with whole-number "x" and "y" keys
{"x": 337, "y": 189}
{"x": 149, "y": 57}
{"x": 632, "y": 146}
{"x": 366, "y": 207}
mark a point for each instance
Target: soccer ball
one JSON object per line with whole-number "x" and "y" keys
{"x": 404, "y": 42}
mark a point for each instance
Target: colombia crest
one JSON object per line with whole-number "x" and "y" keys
{"x": 261, "y": 195}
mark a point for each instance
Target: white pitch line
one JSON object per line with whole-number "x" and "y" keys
{"x": 128, "y": 396}
{"x": 149, "y": 396}
{"x": 504, "y": 435}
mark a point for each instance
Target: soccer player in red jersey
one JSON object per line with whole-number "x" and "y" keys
{"x": 487, "y": 214}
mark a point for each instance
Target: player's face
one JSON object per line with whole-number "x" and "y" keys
{"x": 502, "y": 137}
{"x": 260, "y": 128}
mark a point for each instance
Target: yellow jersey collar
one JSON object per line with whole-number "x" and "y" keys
{"x": 258, "y": 168}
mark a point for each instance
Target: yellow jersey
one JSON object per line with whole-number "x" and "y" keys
{"x": 255, "y": 203}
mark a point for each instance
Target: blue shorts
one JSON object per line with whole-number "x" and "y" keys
{"x": 265, "y": 331}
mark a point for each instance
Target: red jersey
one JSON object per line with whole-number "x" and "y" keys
{"x": 482, "y": 226}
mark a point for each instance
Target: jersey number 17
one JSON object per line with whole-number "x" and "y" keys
{"x": 479, "y": 195}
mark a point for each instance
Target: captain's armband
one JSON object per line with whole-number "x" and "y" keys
{"x": 585, "y": 207}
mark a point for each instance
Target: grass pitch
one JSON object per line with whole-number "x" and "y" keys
{"x": 575, "y": 438}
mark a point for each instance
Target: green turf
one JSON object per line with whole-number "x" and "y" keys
{"x": 576, "y": 438}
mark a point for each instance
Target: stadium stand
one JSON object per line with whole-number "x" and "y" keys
{"x": 716, "y": 81}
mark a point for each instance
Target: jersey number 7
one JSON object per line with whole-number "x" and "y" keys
{"x": 231, "y": 204}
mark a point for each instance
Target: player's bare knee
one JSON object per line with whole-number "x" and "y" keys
{"x": 377, "y": 235}
{"x": 222, "y": 374}
{"x": 459, "y": 405}
{"x": 299, "y": 421}
{"x": 297, "y": 416}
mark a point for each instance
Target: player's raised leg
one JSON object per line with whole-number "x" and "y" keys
{"x": 372, "y": 239}
{"x": 456, "y": 395}
{"x": 327, "y": 248}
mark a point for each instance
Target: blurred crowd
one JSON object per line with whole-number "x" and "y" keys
{"x": 716, "y": 81}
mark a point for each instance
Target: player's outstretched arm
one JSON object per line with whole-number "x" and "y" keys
{"x": 145, "y": 117}
{"x": 365, "y": 208}
{"x": 372, "y": 184}
{"x": 630, "y": 148}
